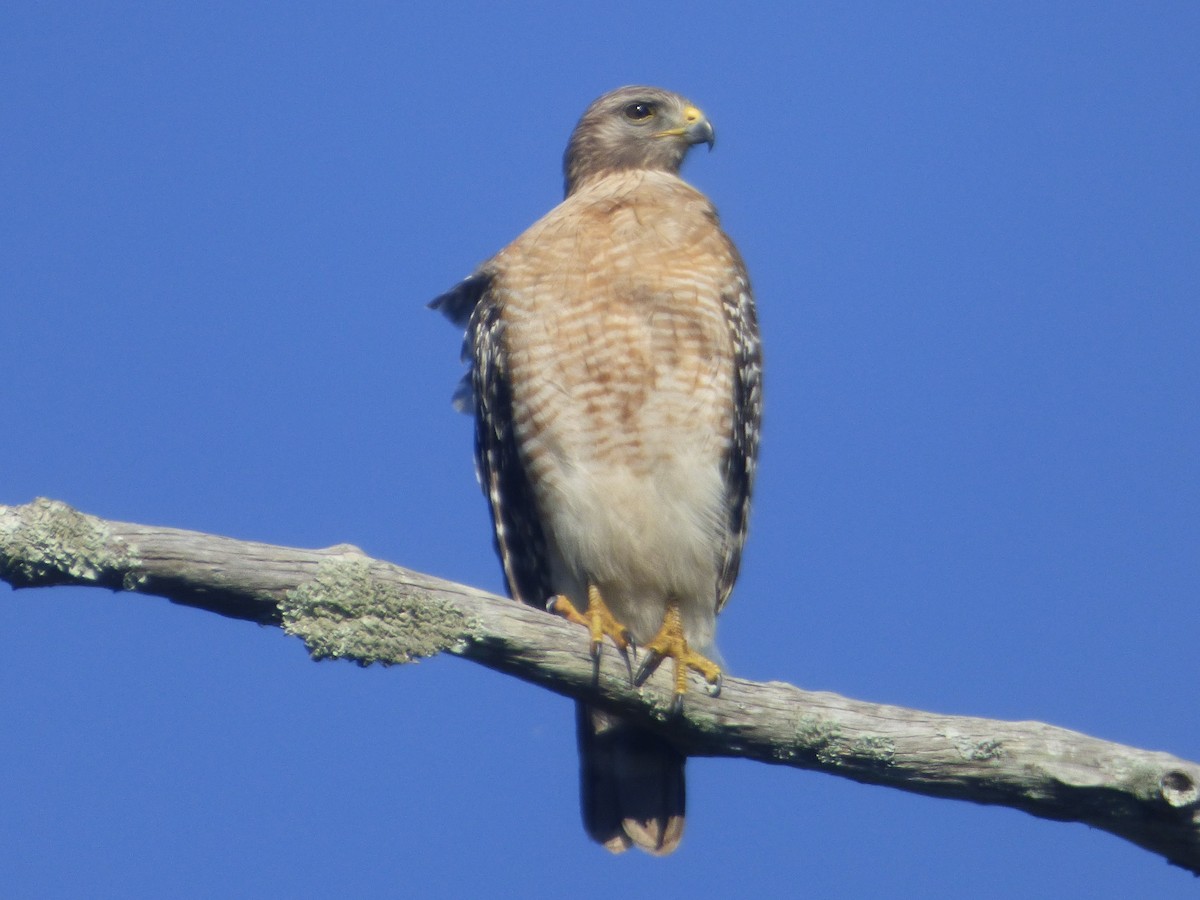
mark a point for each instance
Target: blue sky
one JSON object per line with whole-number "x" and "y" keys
{"x": 973, "y": 233}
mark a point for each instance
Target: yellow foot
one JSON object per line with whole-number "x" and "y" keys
{"x": 670, "y": 642}
{"x": 599, "y": 622}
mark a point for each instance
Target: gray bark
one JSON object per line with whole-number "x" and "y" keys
{"x": 343, "y": 604}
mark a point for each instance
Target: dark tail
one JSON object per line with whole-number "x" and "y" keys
{"x": 631, "y": 784}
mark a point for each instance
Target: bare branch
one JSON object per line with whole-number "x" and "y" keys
{"x": 345, "y": 605}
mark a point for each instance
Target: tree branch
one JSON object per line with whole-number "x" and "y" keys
{"x": 343, "y": 604}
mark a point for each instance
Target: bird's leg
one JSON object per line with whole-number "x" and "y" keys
{"x": 670, "y": 642}
{"x": 599, "y": 622}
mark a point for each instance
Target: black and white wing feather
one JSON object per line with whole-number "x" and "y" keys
{"x": 520, "y": 541}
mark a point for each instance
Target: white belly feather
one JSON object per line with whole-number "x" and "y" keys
{"x": 643, "y": 538}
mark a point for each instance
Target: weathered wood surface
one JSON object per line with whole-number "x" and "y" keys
{"x": 345, "y": 605}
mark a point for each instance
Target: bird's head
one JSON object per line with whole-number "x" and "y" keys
{"x": 634, "y": 128}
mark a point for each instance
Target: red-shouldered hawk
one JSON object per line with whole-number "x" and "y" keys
{"x": 616, "y": 383}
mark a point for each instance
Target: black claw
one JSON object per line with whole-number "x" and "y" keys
{"x": 597, "y": 647}
{"x": 714, "y": 687}
{"x": 649, "y": 664}
{"x": 676, "y": 708}
{"x": 628, "y": 662}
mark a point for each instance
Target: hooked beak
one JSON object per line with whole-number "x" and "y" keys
{"x": 696, "y": 130}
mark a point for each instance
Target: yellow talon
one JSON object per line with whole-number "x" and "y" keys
{"x": 670, "y": 642}
{"x": 598, "y": 620}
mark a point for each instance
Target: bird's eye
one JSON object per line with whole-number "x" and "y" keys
{"x": 639, "y": 112}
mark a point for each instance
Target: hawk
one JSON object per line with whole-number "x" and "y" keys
{"x": 615, "y": 378}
